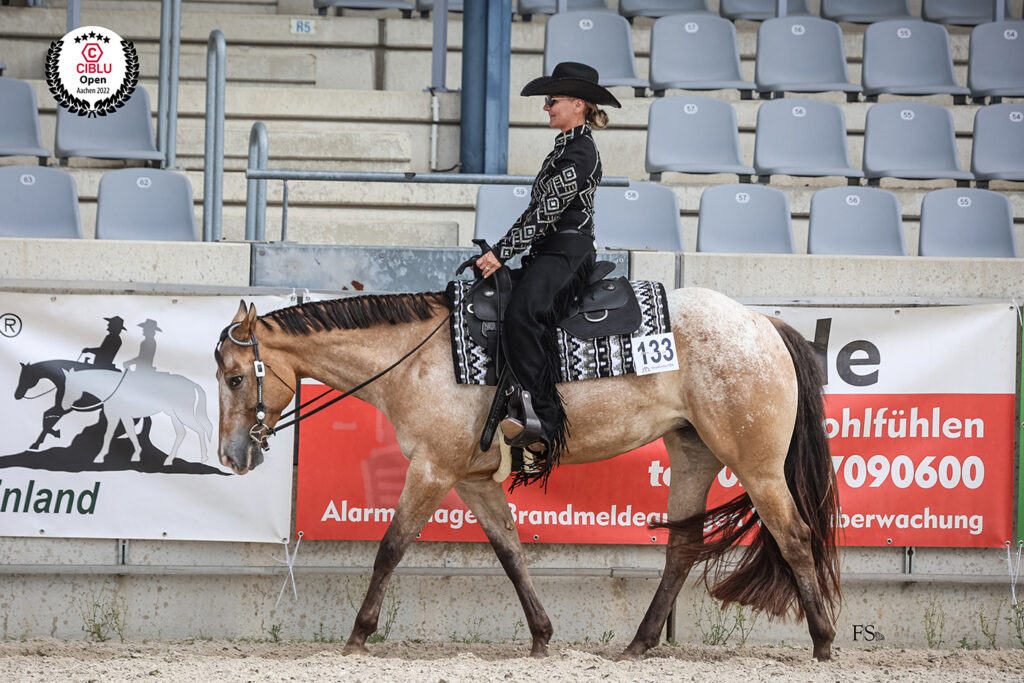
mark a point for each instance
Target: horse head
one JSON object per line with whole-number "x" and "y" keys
{"x": 243, "y": 434}
{"x": 26, "y": 380}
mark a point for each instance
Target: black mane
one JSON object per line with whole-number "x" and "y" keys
{"x": 356, "y": 312}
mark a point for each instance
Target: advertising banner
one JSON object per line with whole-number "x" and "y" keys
{"x": 110, "y": 409}
{"x": 919, "y": 415}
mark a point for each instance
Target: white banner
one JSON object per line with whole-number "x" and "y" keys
{"x": 110, "y": 413}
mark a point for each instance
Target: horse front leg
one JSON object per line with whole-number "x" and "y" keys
{"x": 108, "y": 436}
{"x": 694, "y": 469}
{"x": 486, "y": 498}
{"x": 179, "y": 436}
{"x": 425, "y": 487}
{"x": 50, "y": 418}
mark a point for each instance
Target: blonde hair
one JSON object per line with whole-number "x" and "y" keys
{"x": 596, "y": 117}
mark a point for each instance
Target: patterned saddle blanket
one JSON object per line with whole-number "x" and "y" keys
{"x": 593, "y": 341}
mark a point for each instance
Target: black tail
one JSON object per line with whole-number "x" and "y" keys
{"x": 762, "y": 579}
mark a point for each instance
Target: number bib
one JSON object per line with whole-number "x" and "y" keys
{"x": 654, "y": 353}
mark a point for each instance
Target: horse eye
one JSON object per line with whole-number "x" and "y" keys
{"x": 233, "y": 382}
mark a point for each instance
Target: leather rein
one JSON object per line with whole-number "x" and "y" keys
{"x": 260, "y": 431}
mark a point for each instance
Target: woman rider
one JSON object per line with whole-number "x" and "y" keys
{"x": 558, "y": 229}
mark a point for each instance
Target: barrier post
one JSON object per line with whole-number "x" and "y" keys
{"x": 256, "y": 190}
{"x": 213, "y": 161}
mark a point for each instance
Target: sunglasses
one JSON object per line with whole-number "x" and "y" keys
{"x": 550, "y": 101}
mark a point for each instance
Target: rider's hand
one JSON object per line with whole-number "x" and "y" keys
{"x": 488, "y": 263}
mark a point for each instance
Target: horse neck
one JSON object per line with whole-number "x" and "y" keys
{"x": 343, "y": 359}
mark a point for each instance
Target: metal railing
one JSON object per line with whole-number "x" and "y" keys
{"x": 213, "y": 158}
{"x": 257, "y": 175}
{"x": 167, "y": 102}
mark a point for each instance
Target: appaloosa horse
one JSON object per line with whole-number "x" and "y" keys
{"x": 747, "y": 396}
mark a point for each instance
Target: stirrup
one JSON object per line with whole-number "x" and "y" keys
{"x": 522, "y": 427}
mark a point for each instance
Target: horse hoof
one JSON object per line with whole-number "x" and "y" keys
{"x": 539, "y": 651}
{"x": 98, "y": 460}
{"x": 355, "y": 650}
{"x": 168, "y": 462}
{"x": 628, "y": 655}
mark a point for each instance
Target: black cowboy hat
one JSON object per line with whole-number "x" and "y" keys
{"x": 572, "y": 79}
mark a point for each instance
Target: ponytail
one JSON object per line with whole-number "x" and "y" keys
{"x": 596, "y": 117}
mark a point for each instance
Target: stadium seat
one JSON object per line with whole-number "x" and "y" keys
{"x": 802, "y": 137}
{"x": 910, "y": 140}
{"x": 960, "y": 12}
{"x": 966, "y": 222}
{"x": 19, "y": 121}
{"x": 641, "y": 216}
{"x": 601, "y": 39}
{"x": 616, "y": 210}
{"x": 38, "y": 201}
{"x": 527, "y": 8}
{"x": 693, "y": 134}
{"x": 998, "y": 150}
{"x": 497, "y": 207}
{"x": 125, "y": 134}
{"x": 864, "y": 11}
{"x": 145, "y": 204}
{"x": 425, "y": 7}
{"x": 3, "y": 67}
{"x": 802, "y": 54}
{"x": 406, "y": 6}
{"x": 908, "y": 57}
{"x": 745, "y": 219}
{"x": 696, "y": 52}
{"x": 659, "y": 8}
{"x": 996, "y": 64}
{"x": 758, "y": 10}
{"x": 855, "y": 220}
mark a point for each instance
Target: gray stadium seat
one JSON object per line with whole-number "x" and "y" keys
{"x": 145, "y": 204}
{"x": 745, "y": 219}
{"x": 19, "y": 121}
{"x": 864, "y": 11}
{"x": 406, "y": 6}
{"x": 802, "y": 137}
{"x": 961, "y": 12}
{"x": 601, "y": 39}
{"x": 696, "y": 52}
{"x": 910, "y": 140}
{"x": 641, "y": 216}
{"x": 855, "y": 220}
{"x": 908, "y": 57}
{"x": 38, "y": 201}
{"x": 125, "y": 134}
{"x": 998, "y": 149}
{"x": 497, "y": 207}
{"x": 996, "y": 64}
{"x": 3, "y": 67}
{"x": 659, "y": 8}
{"x": 802, "y": 54}
{"x": 527, "y": 8}
{"x": 966, "y": 222}
{"x": 758, "y": 10}
{"x": 425, "y": 7}
{"x": 616, "y": 210}
{"x": 693, "y": 134}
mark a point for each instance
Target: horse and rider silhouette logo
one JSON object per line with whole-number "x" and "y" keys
{"x": 125, "y": 400}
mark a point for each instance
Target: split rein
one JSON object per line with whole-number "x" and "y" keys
{"x": 260, "y": 431}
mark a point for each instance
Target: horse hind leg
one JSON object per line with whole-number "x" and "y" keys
{"x": 487, "y": 500}
{"x": 694, "y": 469}
{"x": 179, "y": 436}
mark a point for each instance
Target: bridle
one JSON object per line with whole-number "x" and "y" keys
{"x": 260, "y": 430}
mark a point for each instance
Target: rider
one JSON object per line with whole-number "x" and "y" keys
{"x": 558, "y": 228}
{"x": 103, "y": 355}
{"x": 147, "y": 347}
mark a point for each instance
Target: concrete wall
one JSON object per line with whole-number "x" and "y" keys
{"x": 194, "y": 589}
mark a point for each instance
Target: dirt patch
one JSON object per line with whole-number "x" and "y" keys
{"x": 220, "y": 660}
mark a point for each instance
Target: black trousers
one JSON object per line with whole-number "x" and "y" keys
{"x": 552, "y": 277}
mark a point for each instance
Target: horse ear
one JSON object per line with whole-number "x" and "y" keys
{"x": 67, "y": 371}
{"x": 252, "y": 316}
{"x": 240, "y": 314}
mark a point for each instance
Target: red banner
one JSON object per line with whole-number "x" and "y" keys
{"x": 920, "y": 413}
{"x": 912, "y": 470}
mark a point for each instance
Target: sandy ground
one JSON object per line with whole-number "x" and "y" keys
{"x": 219, "y": 660}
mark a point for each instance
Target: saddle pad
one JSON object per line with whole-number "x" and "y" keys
{"x": 578, "y": 358}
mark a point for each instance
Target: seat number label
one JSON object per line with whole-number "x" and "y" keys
{"x": 654, "y": 353}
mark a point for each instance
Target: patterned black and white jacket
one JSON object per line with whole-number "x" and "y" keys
{"x": 562, "y": 196}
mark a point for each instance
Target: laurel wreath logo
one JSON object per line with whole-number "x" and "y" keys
{"x": 103, "y": 107}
